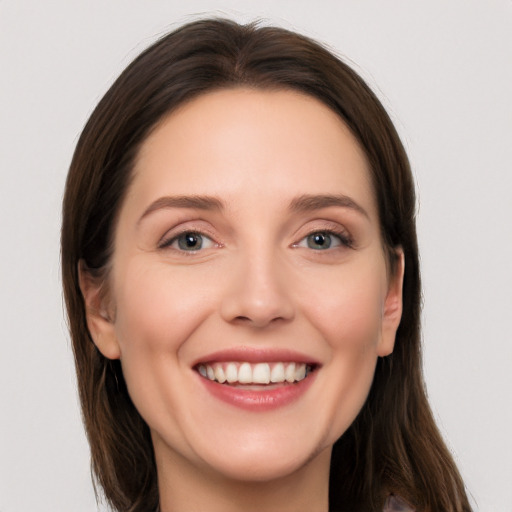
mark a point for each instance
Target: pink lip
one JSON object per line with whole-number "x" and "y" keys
{"x": 260, "y": 355}
{"x": 264, "y": 399}
{"x": 279, "y": 395}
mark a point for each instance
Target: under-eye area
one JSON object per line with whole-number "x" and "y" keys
{"x": 244, "y": 373}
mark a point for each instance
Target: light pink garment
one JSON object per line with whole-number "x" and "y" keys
{"x": 396, "y": 504}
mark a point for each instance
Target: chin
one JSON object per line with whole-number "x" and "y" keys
{"x": 266, "y": 456}
{"x": 263, "y": 467}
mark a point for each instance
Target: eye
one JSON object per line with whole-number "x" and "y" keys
{"x": 189, "y": 241}
{"x": 323, "y": 240}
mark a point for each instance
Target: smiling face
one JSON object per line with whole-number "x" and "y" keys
{"x": 248, "y": 296}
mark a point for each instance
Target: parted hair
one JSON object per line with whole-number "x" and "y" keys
{"x": 393, "y": 446}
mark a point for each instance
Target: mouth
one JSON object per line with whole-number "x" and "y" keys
{"x": 255, "y": 375}
{"x": 257, "y": 380}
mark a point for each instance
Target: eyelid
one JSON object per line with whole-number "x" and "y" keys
{"x": 176, "y": 239}
{"x": 173, "y": 234}
{"x": 321, "y": 226}
{"x": 328, "y": 227}
{"x": 342, "y": 237}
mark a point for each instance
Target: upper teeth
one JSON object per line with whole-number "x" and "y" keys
{"x": 259, "y": 373}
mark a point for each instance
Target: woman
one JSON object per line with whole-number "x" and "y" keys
{"x": 241, "y": 275}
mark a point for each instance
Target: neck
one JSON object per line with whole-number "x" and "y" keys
{"x": 184, "y": 487}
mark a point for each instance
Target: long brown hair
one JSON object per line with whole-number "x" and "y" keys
{"x": 394, "y": 445}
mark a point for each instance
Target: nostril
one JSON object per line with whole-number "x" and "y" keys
{"x": 258, "y": 321}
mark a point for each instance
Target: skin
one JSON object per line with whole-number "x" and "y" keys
{"x": 256, "y": 282}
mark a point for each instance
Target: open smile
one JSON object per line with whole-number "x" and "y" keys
{"x": 257, "y": 380}
{"x": 262, "y": 373}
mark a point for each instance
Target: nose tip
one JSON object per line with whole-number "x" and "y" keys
{"x": 258, "y": 298}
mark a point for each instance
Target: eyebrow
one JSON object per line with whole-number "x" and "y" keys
{"x": 308, "y": 202}
{"x": 206, "y": 203}
{"x": 303, "y": 203}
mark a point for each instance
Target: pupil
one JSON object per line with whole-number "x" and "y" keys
{"x": 191, "y": 240}
{"x": 319, "y": 241}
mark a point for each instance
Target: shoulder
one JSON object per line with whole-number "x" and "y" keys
{"x": 397, "y": 504}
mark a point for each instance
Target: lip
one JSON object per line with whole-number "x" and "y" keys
{"x": 264, "y": 399}
{"x": 279, "y": 395}
{"x": 259, "y": 355}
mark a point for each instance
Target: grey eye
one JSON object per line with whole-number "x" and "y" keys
{"x": 322, "y": 240}
{"x": 319, "y": 241}
{"x": 190, "y": 241}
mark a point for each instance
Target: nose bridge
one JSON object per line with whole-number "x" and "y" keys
{"x": 257, "y": 291}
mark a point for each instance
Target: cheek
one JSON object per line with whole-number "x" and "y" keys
{"x": 158, "y": 310}
{"x": 347, "y": 312}
{"x": 347, "y": 309}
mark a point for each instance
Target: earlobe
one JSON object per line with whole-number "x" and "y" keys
{"x": 393, "y": 305}
{"x": 99, "y": 320}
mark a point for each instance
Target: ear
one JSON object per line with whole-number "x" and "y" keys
{"x": 392, "y": 312}
{"x": 99, "y": 319}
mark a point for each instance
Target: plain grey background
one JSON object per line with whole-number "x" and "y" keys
{"x": 443, "y": 70}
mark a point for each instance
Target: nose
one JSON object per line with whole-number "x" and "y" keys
{"x": 257, "y": 293}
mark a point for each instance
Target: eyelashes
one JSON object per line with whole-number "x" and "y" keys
{"x": 189, "y": 241}
{"x": 194, "y": 241}
{"x": 325, "y": 240}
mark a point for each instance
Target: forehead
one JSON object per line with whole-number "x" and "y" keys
{"x": 252, "y": 142}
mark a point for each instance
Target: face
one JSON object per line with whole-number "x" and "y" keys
{"x": 249, "y": 296}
